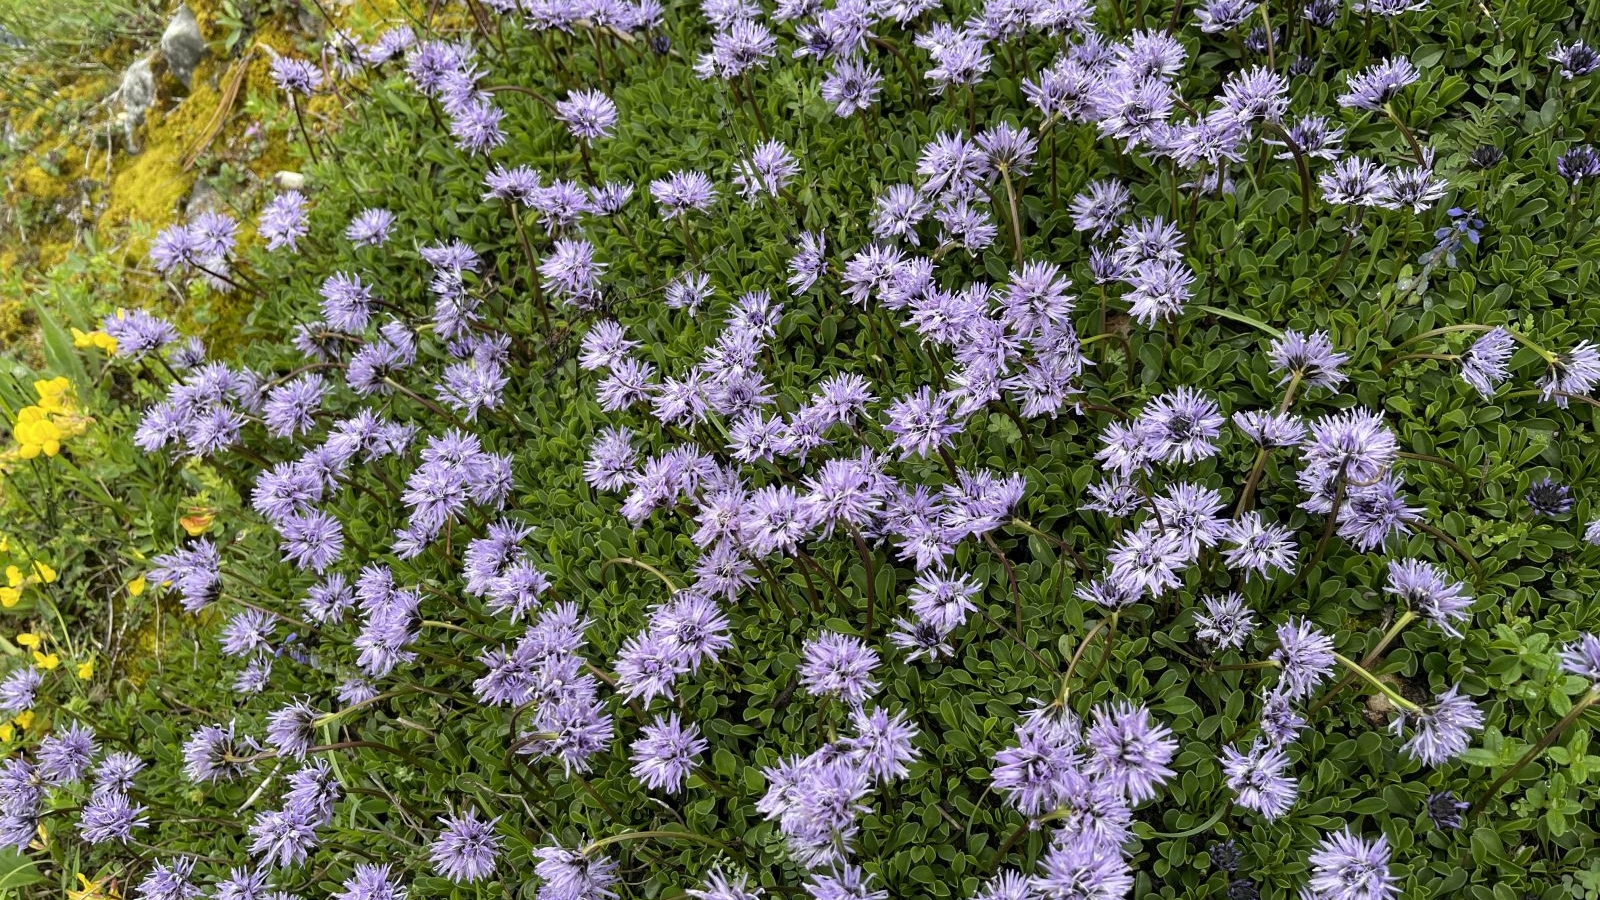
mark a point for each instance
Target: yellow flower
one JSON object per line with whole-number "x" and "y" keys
{"x": 29, "y": 639}
{"x": 198, "y": 520}
{"x": 35, "y": 433}
{"x": 24, "y": 719}
{"x": 9, "y": 597}
{"x": 45, "y": 573}
{"x": 136, "y": 586}
{"x": 92, "y": 890}
{"x": 54, "y": 395}
{"x": 13, "y": 576}
{"x": 46, "y": 661}
{"x": 94, "y": 339}
{"x": 7, "y": 732}
{"x": 85, "y": 670}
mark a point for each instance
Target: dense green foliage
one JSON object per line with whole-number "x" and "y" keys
{"x": 101, "y": 509}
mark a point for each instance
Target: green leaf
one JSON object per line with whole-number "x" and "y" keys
{"x": 16, "y": 871}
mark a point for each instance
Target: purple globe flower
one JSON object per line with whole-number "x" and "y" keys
{"x": 1442, "y": 731}
{"x": 840, "y": 665}
{"x": 1129, "y": 751}
{"x": 466, "y": 848}
{"x": 589, "y": 115}
{"x": 665, "y": 754}
{"x": 296, "y": 76}
{"x": 1257, "y": 779}
{"x": 1346, "y": 866}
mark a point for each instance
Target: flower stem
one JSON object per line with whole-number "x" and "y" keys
{"x": 592, "y": 846}
{"x": 1393, "y": 695}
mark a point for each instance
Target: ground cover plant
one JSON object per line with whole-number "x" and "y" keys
{"x": 855, "y": 450}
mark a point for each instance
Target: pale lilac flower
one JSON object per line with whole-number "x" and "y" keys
{"x": 1377, "y": 84}
{"x": 1310, "y": 357}
{"x": 1440, "y": 732}
{"x": 852, "y": 86}
{"x": 1574, "y": 372}
{"x": 683, "y": 191}
{"x": 767, "y": 170}
{"x": 284, "y": 221}
{"x": 1428, "y": 591}
{"x": 1348, "y": 867}
{"x": 110, "y": 816}
{"x": 1582, "y": 657}
{"x": 370, "y": 228}
{"x": 666, "y": 752}
{"x": 589, "y": 115}
{"x": 371, "y": 882}
{"x": 571, "y": 875}
{"x": 466, "y": 849}
{"x": 1226, "y": 622}
{"x": 1305, "y": 656}
{"x": 1129, "y": 751}
{"x": 838, "y": 664}
{"x": 1257, "y": 779}
{"x": 1484, "y": 365}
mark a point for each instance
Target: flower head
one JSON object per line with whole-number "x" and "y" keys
{"x": 466, "y": 848}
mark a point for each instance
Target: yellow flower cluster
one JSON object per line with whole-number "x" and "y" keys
{"x": 97, "y": 339}
{"x": 40, "y": 429}
{"x": 11, "y": 592}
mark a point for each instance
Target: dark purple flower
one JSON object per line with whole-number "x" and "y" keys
{"x": 1548, "y": 497}
{"x": 1444, "y": 810}
{"x": 1575, "y": 60}
{"x": 1579, "y": 163}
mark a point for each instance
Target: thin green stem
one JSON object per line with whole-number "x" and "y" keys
{"x": 1393, "y": 695}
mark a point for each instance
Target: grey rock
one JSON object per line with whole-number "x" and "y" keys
{"x": 137, "y": 93}
{"x": 181, "y": 44}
